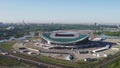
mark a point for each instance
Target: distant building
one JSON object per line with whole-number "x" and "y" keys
{"x": 10, "y": 27}
{"x": 119, "y": 26}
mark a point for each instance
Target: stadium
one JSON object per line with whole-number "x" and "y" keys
{"x": 71, "y": 39}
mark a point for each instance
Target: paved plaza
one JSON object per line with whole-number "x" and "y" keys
{"x": 62, "y": 53}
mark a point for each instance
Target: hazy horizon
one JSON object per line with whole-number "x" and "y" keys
{"x": 60, "y": 11}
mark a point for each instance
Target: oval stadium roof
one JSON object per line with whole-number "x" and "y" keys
{"x": 80, "y": 37}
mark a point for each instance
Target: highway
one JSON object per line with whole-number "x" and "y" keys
{"x": 32, "y": 60}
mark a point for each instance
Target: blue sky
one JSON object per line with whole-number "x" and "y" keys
{"x": 60, "y": 11}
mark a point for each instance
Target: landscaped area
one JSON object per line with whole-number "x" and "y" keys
{"x": 65, "y": 62}
{"x": 114, "y": 64}
{"x": 7, "y": 45}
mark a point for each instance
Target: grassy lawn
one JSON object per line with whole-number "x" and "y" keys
{"x": 7, "y": 45}
{"x": 65, "y": 62}
{"x": 5, "y": 61}
{"x": 113, "y": 61}
{"x": 113, "y": 64}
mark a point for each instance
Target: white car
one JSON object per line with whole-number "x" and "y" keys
{"x": 31, "y": 53}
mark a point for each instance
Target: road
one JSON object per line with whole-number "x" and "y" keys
{"x": 33, "y": 60}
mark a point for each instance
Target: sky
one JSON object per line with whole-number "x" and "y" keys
{"x": 60, "y": 11}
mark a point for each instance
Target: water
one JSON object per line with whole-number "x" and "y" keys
{"x": 12, "y": 38}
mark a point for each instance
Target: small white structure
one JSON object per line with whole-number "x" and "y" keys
{"x": 85, "y": 60}
{"x": 97, "y": 39}
{"x": 97, "y": 55}
{"x": 49, "y": 42}
{"x": 10, "y": 27}
{"x": 26, "y": 41}
{"x": 69, "y": 57}
{"x": 105, "y": 55}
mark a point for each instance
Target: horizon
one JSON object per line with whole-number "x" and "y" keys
{"x": 60, "y": 11}
{"x": 82, "y": 23}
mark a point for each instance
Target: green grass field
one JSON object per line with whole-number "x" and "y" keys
{"x": 7, "y": 45}
{"x": 113, "y": 64}
{"x": 66, "y": 63}
{"x": 5, "y": 61}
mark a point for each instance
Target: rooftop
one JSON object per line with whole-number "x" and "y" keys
{"x": 80, "y": 37}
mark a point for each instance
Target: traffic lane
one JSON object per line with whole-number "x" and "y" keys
{"x": 39, "y": 60}
{"x": 32, "y": 60}
{"x": 19, "y": 59}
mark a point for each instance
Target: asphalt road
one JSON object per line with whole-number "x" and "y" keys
{"x": 32, "y": 60}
